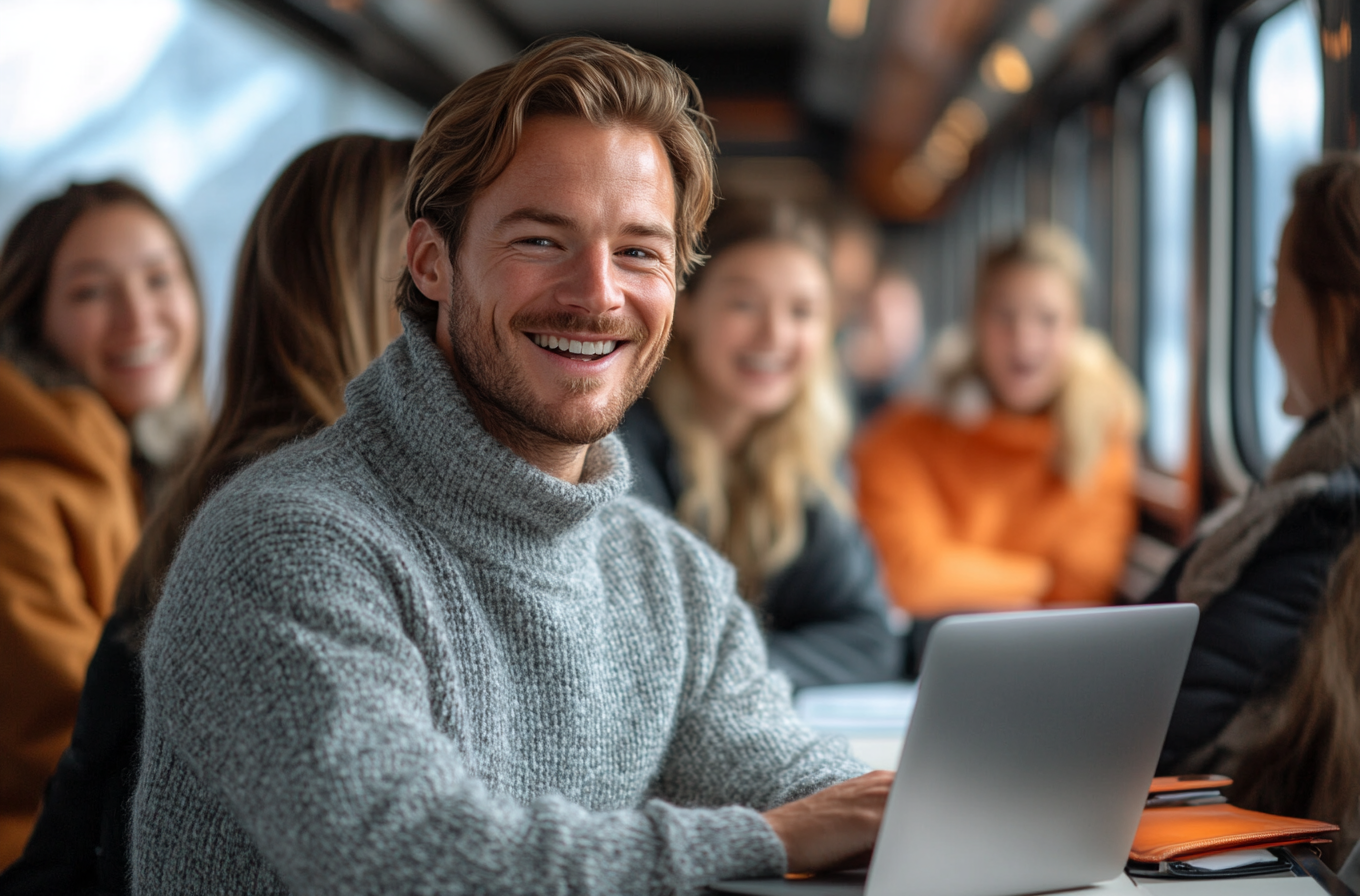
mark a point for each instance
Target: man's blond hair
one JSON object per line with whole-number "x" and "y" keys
{"x": 472, "y": 135}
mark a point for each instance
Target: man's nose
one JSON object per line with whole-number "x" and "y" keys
{"x": 593, "y": 285}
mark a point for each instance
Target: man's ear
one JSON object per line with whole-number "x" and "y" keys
{"x": 428, "y": 261}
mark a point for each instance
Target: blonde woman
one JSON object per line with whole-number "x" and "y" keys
{"x": 1012, "y": 486}
{"x": 740, "y": 434}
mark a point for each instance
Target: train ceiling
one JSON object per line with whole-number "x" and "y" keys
{"x": 897, "y": 99}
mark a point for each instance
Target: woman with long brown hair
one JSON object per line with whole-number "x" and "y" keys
{"x": 100, "y": 367}
{"x": 740, "y": 435}
{"x": 313, "y": 305}
{"x": 1260, "y": 567}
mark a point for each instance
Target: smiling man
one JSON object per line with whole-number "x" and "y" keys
{"x": 436, "y": 648}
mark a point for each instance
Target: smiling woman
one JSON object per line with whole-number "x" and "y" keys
{"x": 99, "y": 388}
{"x": 741, "y": 434}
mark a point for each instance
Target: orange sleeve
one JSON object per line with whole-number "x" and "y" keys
{"x": 1090, "y": 557}
{"x": 63, "y": 542}
{"x": 926, "y": 570}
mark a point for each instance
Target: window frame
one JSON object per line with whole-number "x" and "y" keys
{"x": 1168, "y": 497}
{"x": 1234, "y": 312}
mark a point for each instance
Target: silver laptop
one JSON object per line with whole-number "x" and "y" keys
{"x": 1029, "y": 754}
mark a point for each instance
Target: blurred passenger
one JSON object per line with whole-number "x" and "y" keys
{"x": 855, "y": 246}
{"x": 100, "y": 388}
{"x": 1259, "y": 569}
{"x": 740, "y": 436}
{"x": 1013, "y": 488}
{"x": 314, "y": 303}
{"x": 880, "y": 341}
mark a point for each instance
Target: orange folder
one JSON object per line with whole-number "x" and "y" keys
{"x": 1184, "y": 832}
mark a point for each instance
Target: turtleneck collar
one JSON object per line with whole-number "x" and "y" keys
{"x": 411, "y": 422}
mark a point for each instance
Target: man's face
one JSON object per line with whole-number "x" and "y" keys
{"x": 564, "y": 286}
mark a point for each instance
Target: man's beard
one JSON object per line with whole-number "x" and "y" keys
{"x": 504, "y": 399}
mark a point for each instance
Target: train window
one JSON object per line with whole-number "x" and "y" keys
{"x": 1168, "y": 183}
{"x": 1284, "y": 119}
{"x": 199, "y": 101}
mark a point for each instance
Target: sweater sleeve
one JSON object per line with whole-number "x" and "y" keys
{"x": 738, "y": 737}
{"x": 825, "y": 613}
{"x": 928, "y": 571}
{"x": 307, "y": 708}
{"x": 1089, "y": 559}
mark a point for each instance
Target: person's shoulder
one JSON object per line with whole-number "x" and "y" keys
{"x": 309, "y": 494}
{"x": 906, "y": 425}
{"x": 66, "y": 427}
{"x": 1330, "y": 515}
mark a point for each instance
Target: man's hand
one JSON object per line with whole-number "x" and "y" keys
{"x": 826, "y": 829}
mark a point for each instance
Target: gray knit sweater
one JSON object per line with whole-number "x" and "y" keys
{"x": 396, "y": 658}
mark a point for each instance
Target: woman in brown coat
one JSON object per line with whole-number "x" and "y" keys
{"x": 312, "y": 306}
{"x": 99, "y": 390}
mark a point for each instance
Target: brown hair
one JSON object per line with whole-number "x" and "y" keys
{"x": 1323, "y": 250}
{"x": 1309, "y": 764}
{"x": 31, "y": 246}
{"x": 312, "y": 307}
{"x": 472, "y": 135}
{"x": 751, "y": 506}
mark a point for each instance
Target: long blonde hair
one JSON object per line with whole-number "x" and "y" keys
{"x": 313, "y": 305}
{"x": 750, "y": 504}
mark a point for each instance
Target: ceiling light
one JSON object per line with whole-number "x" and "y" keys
{"x": 1005, "y": 68}
{"x": 945, "y": 154}
{"x": 966, "y": 119}
{"x": 1336, "y": 44}
{"x": 916, "y": 185}
{"x": 1043, "y": 21}
{"x": 847, "y": 18}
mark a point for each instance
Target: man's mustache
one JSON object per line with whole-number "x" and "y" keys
{"x": 600, "y": 326}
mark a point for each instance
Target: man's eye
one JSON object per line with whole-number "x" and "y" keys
{"x": 639, "y": 253}
{"x": 541, "y": 242}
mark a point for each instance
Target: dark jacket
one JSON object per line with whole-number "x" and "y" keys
{"x": 824, "y": 615}
{"x": 79, "y": 844}
{"x": 1247, "y": 644}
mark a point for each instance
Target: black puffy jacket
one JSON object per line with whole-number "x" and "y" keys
{"x": 1247, "y": 644}
{"x": 824, "y": 614}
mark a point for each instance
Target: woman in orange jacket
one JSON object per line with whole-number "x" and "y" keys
{"x": 99, "y": 390}
{"x": 1012, "y": 488}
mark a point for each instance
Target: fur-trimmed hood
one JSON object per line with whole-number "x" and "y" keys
{"x": 159, "y": 438}
{"x": 1099, "y": 401}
